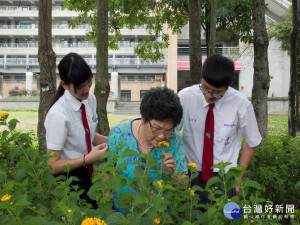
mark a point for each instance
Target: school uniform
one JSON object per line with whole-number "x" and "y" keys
{"x": 65, "y": 131}
{"x": 233, "y": 118}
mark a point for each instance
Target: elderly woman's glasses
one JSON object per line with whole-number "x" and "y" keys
{"x": 206, "y": 91}
{"x": 155, "y": 130}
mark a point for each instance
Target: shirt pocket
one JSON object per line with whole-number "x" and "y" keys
{"x": 225, "y": 139}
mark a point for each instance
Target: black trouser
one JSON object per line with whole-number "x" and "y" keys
{"x": 84, "y": 183}
{"x": 203, "y": 196}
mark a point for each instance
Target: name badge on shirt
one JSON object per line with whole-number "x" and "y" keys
{"x": 95, "y": 119}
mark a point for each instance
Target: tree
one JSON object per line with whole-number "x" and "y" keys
{"x": 293, "y": 97}
{"x": 261, "y": 78}
{"x": 212, "y": 26}
{"x": 47, "y": 61}
{"x": 102, "y": 86}
{"x": 233, "y": 20}
{"x": 126, "y": 14}
{"x": 194, "y": 8}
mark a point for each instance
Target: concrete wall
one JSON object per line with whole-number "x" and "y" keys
{"x": 279, "y": 70}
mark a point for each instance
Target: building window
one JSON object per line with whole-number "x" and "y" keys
{"x": 150, "y": 78}
{"x": 20, "y": 78}
{"x": 142, "y": 94}
{"x": 125, "y": 95}
{"x": 127, "y": 78}
{"x": 7, "y": 78}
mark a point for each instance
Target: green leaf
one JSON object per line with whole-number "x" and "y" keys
{"x": 138, "y": 172}
{"x": 116, "y": 219}
{"x": 5, "y": 134}
{"x": 234, "y": 172}
{"x": 115, "y": 182}
{"x": 297, "y": 185}
{"x": 252, "y": 183}
{"x": 212, "y": 181}
{"x": 23, "y": 202}
{"x": 130, "y": 152}
{"x": 211, "y": 211}
{"x": 107, "y": 154}
{"x": 136, "y": 220}
{"x": 125, "y": 200}
{"x": 186, "y": 223}
{"x": 12, "y": 124}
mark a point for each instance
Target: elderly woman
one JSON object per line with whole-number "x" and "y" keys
{"x": 160, "y": 111}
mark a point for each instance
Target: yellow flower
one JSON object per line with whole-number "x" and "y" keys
{"x": 159, "y": 183}
{"x": 93, "y": 221}
{"x": 163, "y": 143}
{"x": 229, "y": 200}
{"x": 251, "y": 221}
{"x": 192, "y": 192}
{"x": 5, "y": 198}
{"x": 157, "y": 220}
{"x": 3, "y": 114}
{"x": 194, "y": 165}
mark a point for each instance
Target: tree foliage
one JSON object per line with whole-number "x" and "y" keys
{"x": 234, "y": 19}
{"x": 128, "y": 14}
{"x": 281, "y": 31}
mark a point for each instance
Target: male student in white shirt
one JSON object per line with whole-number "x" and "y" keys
{"x": 233, "y": 118}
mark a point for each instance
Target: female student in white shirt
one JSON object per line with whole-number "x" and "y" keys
{"x": 65, "y": 132}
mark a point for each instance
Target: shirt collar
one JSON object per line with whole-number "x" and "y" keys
{"x": 74, "y": 102}
{"x": 217, "y": 103}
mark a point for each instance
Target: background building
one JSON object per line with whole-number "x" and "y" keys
{"x": 129, "y": 75}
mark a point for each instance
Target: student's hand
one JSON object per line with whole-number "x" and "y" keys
{"x": 169, "y": 164}
{"x": 96, "y": 153}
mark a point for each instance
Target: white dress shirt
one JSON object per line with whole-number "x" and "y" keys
{"x": 64, "y": 127}
{"x": 233, "y": 117}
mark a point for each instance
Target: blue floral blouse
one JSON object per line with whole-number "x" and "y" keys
{"x": 122, "y": 132}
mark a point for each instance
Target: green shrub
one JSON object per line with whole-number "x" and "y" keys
{"x": 276, "y": 166}
{"x": 31, "y": 195}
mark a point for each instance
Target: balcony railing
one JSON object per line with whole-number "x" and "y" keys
{"x": 113, "y": 61}
{"x": 19, "y": 8}
{"x": 64, "y": 45}
{"x": 231, "y": 52}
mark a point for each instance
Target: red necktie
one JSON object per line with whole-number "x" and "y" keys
{"x": 208, "y": 147}
{"x": 87, "y": 135}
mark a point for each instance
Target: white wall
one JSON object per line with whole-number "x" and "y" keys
{"x": 279, "y": 70}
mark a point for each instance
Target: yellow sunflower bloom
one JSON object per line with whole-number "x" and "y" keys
{"x": 3, "y": 114}
{"x": 163, "y": 143}
{"x": 194, "y": 165}
{"x": 192, "y": 192}
{"x": 159, "y": 183}
{"x": 157, "y": 220}
{"x": 5, "y": 198}
{"x": 251, "y": 221}
{"x": 229, "y": 200}
{"x": 93, "y": 221}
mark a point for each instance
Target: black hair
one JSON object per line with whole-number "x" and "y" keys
{"x": 72, "y": 69}
{"x": 218, "y": 71}
{"x": 161, "y": 104}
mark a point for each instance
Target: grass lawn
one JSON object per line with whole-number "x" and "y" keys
{"x": 29, "y": 118}
{"x": 278, "y": 124}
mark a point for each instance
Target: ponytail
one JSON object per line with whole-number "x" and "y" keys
{"x": 60, "y": 91}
